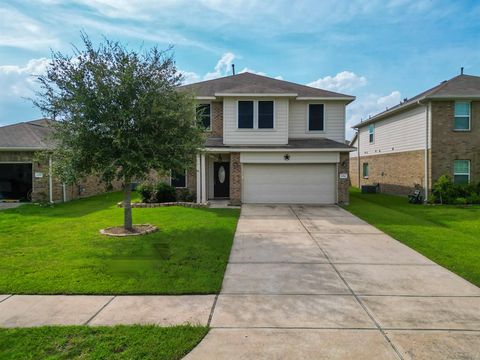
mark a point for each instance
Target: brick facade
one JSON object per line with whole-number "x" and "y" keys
{"x": 343, "y": 184}
{"x": 397, "y": 173}
{"x": 88, "y": 186}
{"x": 235, "y": 179}
{"x": 217, "y": 119}
{"x": 449, "y": 145}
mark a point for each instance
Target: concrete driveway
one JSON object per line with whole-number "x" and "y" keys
{"x": 307, "y": 282}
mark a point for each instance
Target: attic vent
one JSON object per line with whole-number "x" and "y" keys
{"x": 405, "y": 99}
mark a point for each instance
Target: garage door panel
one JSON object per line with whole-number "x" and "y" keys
{"x": 289, "y": 183}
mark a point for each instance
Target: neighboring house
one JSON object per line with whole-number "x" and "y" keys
{"x": 434, "y": 133}
{"x": 23, "y": 177}
{"x": 270, "y": 141}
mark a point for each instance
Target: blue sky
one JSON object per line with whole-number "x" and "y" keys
{"x": 378, "y": 50}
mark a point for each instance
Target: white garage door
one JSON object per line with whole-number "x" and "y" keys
{"x": 289, "y": 183}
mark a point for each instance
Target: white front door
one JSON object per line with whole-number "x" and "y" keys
{"x": 289, "y": 183}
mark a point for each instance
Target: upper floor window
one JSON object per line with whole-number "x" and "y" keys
{"x": 316, "y": 117}
{"x": 245, "y": 114}
{"x": 462, "y": 116}
{"x": 256, "y": 114}
{"x": 371, "y": 133}
{"x": 204, "y": 115}
{"x": 265, "y": 114}
{"x": 178, "y": 179}
{"x": 461, "y": 171}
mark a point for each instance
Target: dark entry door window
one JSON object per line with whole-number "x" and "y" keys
{"x": 221, "y": 184}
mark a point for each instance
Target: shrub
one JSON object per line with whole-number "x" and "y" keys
{"x": 444, "y": 191}
{"x": 146, "y": 192}
{"x": 164, "y": 193}
{"x": 185, "y": 195}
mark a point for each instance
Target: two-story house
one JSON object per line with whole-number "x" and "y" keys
{"x": 270, "y": 141}
{"x": 434, "y": 133}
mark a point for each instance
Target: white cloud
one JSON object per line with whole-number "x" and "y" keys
{"x": 20, "y": 81}
{"x": 20, "y": 31}
{"x": 369, "y": 105}
{"x": 222, "y": 68}
{"x": 343, "y": 81}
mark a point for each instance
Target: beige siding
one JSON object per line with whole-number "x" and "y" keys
{"x": 235, "y": 136}
{"x": 334, "y": 120}
{"x": 402, "y": 132}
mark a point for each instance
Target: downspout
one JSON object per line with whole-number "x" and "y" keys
{"x": 427, "y": 178}
{"x": 358, "y": 158}
{"x": 50, "y": 180}
{"x": 64, "y": 190}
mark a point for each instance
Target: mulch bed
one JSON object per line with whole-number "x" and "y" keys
{"x": 176, "y": 203}
{"x": 140, "y": 229}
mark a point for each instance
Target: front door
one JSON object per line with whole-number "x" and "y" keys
{"x": 221, "y": 182}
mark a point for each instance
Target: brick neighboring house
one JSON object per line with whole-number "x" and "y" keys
{"x": 434, "y": 133}
{"x": 270, "y": 141}
{"x": 24, "y": 178}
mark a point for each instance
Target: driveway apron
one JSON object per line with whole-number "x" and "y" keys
{"x": 316, "y": 282}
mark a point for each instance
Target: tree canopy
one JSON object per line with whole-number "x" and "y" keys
{"x": 119, "y": 114}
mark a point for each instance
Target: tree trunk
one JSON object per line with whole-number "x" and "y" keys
{"x": 127, "y": 206}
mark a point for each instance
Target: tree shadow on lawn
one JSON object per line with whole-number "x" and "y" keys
{"x": 178, "y": 261}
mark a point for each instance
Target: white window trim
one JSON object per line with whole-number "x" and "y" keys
{"x": 462, "y": 174}
{"x": 371, "y": 133}
{"x": 469, "y": 116}
{"x": 209, "y": 129}
{"x": 179, "y": 187}
{"x": 363, "y": 170}
{"x": 255, "y": 116}
{"x": 307, "y": 116}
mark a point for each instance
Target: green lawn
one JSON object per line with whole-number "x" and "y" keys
{"x": 84, "y": 342}
{"x": 448, "y": 235}
{"x": 59, "y": 250}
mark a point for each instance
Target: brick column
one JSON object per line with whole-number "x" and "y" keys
{"x": 217, "y": 119}
{"x": 235, "y": 179}
{"x": 343, "y": 184}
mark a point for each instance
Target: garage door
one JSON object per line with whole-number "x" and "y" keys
{"x": 15, "y": 181}
{"x": 289, "y": 183}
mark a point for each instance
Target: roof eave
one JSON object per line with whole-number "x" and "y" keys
{"x": 256, "y": 94}
{"x": 240, "y": 149}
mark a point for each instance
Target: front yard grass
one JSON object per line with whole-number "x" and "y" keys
{"x": 59, "y": 250}
{"x": 85, "y": 342}
{"x": 448, "y": 235}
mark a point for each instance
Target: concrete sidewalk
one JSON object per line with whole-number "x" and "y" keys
{"x": 307, "y": 282}
{"x": 38, "y": 310}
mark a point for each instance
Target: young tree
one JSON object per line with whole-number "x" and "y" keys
{"x": 119, "y": 114}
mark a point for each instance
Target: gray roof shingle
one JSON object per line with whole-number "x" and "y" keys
{"x": 321, "y": 143}
{"x": 33, "y": 135}
{"x": 461, "y": 86}
{"x": 248, "y": 83}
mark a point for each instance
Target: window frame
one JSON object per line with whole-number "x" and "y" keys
{"x": 209, "y": 129}
{"x": 179, "y": 187}
{"x": 371, "y": 134}
{"x": 365, "y": 166}
{"x": 469, "y": 116}
{"x": 255, "y": 115}
{"x": 463, "y": 174}
{"x": 307, "y": 125}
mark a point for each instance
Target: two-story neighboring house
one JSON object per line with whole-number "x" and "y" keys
{"x": 434, "y": 133}
{"x": 270, "y": 141}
